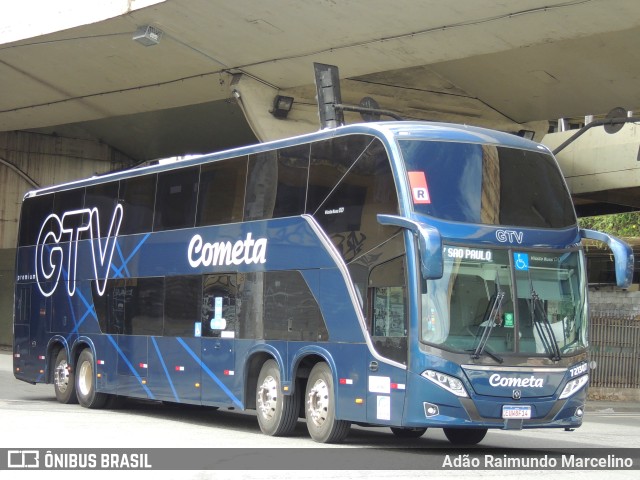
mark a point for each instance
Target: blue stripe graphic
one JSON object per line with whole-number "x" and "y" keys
{"x": 210, "y": 373}
{"x": 131, "y": 367}
{"x": 118, "y": 271}
{"x": 164, "y": 367}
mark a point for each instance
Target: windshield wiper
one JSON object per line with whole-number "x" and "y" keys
{"x": 543, "y": 326}
{"x": 488, "y": 322}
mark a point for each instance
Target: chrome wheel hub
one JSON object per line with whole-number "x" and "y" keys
{"x": 267, "y": 397}
{"x": 318, "y": 402}
{"x": 85, "y": 378}
{"x": 61, "y": 376}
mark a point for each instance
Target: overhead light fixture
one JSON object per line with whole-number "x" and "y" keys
{"x": 147, "y": 35}
{"x": 281, "y": 106}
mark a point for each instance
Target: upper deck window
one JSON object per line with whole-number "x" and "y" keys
{"x": 487, "y": 184}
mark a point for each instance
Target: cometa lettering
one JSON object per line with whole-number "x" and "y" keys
{"x": 247, "y": 252}
{"x": 496, "y": 380}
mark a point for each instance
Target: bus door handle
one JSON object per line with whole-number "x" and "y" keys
{"x": 373, "y": 366}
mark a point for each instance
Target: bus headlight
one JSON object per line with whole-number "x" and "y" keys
{"x": 447, "y": 382}
{"x": 573, "y": 386}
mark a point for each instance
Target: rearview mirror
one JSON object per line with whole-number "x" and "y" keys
{"x": 429, "y": 241}
{"x": 622, "y": 255}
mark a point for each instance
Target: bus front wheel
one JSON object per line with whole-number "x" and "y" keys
{"x": 86, "y": 384}
{"x": 277, "y": 412}
{"x": 64, "y": 382}
{"x": 320, "y": 410}
{"x": 465, "y": 436}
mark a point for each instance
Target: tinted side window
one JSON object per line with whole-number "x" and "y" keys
{"x": 131, "y": 307}
{"x": 176, "y": 199}
{"x": 137, "y": 196}
{"x": 277, "y": 183}
{"x": 330, "y": 161}
{"x": 67, "y": 201}
{"x": 182, "y": 305}
{"x": 250, "y": 301}
{"x": 221, "y": 196}
{"x": 34, "y": 212}
{"x": 358, "y": 182}
{"x": 388, "y": 309}
{"x": 219, "y": 295}
{"x": 290, "y": 309}
{"x": 104, "y": 197}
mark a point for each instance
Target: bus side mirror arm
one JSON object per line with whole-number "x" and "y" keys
{"x": 622, "y": 254}
{"x": 429, "y": 241}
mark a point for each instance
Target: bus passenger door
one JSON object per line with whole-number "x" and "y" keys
{"x": 220, "y": 384}
{"x": 387, "y": 316}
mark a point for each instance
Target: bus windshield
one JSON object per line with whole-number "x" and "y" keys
{"x": 486, "y": 184}
{"x": 504, "y": 301}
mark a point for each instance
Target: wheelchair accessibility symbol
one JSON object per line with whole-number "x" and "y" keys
{"x": 521, "y": 261}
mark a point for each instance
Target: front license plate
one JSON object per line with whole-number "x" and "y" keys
{"x": 516, "y": 411}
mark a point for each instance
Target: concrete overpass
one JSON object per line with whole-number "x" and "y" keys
{"x": 79, "y": 95}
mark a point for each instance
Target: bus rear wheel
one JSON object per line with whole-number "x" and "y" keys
{"x": 86, "y": 384}
{"x": 64, "y": 382}
{"x": 465, "y": 436}
{"x": 277, "y": 413}
{"x": 320, "y": 411}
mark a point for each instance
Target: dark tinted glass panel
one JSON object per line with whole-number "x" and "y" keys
{"x": 487, "y": 184}
{"x": 102, "y": 303}
{"x": 360, "y": 268}
{"x": 388, "y": 309}
{"x": 221, "y": 197}
{"x": 67, "y": 201}
{"x": 363, "y": 187}
{"x": 137, "y": 196}
{"x": 330, "y": 161}
{"x": 23, "y": 305}
{"x": 104, "y": 197}
{"x": 147, "y": 314}
{"x": 34, "y": 212}
{"x": 182, "y": 305}
{"x": 277, "y": 183}
{"x": 176, "y": 199}
{"x": 290, "y": 309}
{"x": 250, "y": 309}
{"x": 131, "y": 307}
{"x": 219, "y": 294}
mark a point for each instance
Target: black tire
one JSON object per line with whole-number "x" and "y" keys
{"x": 86, "y": 382}
{"x": 114, "y": 402}
{"x": 320, "y": 407}
{"x": 408, "y": 432}
{"x": 64, "y": 382}
{"x": 277, "y": 412}
{"x": 465, "y": 436}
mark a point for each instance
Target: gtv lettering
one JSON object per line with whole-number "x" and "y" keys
{"x": 510, "y": 236}
{"x": 51, "y": 257}
{"x": 247, "y": 251}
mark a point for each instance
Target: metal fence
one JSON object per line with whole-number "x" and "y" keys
{"x": 615, "y": 346}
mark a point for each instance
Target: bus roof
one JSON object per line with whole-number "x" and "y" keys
{"x": 387, "y": 130}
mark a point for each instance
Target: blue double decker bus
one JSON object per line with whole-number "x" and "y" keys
{"x": 399, "y": 274}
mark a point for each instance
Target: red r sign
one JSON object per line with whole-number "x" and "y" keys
{"x": 419, "y": 189}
